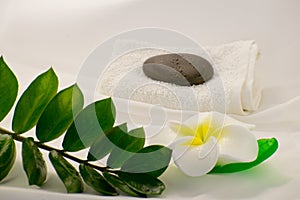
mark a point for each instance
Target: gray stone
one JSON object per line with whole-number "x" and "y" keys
{"x": 181, "y": 69}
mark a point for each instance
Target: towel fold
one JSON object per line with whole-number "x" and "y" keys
{"x": 232, "y": 88}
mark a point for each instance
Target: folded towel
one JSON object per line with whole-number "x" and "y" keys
{"x": 231, "y": 90}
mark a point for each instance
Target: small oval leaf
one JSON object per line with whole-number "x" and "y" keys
{"x": 59, "y": 114}
{"x": 153, "y": 160}
{"x": 127, "y": 146}
{"x": 8, "y": 89}
{"x": 34, "y": 100}
{"x": 96, "y": 181}
{"x": 106, "y": 142}
{"x": 143, "y": 183}
{"x": 89, "y": 125}
{"x": 66, "y": 172}
{"x": 266, "y": 148}
{"x": 7, "y": 155}
{"x": 33, "y": 162}
{"x": 116, "y": 182}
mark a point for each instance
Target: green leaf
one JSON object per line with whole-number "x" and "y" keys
{"x": 267, "y": 147}
{"x": 66, "y": 172}
{"x": 96, "y": 181}
{"x": 59, "y": 114}
{"x": 116, "y": 182}
{"x": 143, "y": 183}
{"x": 106, "y": 142}
{"x": 89, "y": 125}
{"x": 33, "y": 162}
{"x": 153, "y": 160}
{"x": 34, "y": 100}
{"x": 8, "y": 89}
{"x": 7, "y": 155}
{"x": 127, "y": 146}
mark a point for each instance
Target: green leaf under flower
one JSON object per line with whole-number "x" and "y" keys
{"x": 266, "y": 148}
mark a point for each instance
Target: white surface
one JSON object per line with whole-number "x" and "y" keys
{"x": 35, "y": 35}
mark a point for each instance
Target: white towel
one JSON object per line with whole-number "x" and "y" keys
{"x": 231, "y": 90}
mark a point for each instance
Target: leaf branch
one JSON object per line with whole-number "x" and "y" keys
{"x": 54, "y": 114}
{"x": 50, "y": 148}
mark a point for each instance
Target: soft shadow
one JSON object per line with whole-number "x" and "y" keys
{"x": 245, "y": 184}
{"x": 283, "y": 127}
{"x": 16, "y": 177}
{"x": 54, "y": 184}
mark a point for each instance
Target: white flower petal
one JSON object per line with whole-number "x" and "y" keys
{"x": 179, "y": 146}
{"x": 237, "y": 143}
{"x": 195, "y": 160}
{"x": 197, "y": 119}
{"x": 180, "y": 128}
{"x": 232, "y": 121}
{"x": 216, "y": 118}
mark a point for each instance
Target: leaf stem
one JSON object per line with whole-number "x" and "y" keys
{"x": 43, "y": 146}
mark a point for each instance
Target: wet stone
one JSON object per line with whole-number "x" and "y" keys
{"x": 180, "y": 69}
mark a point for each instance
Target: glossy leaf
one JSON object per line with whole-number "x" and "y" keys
{"x": 267, "y": 147}
{"x": 33, "y": 163}
{"x": 59, "y": 114}
{"x": 34, "y": 100}
{"x": 89, "y": 125}
{"x": 152, "y": 160}
{"x": 7, "y": 155}
{"x": 8, "y": 89}
{"x": 127, "y": 146}
{"x": 143, "y": 183}
{"x": 96, "y": 181}
{"x": 116, "y": 182}
{"x": 106, "y": 142}
{"x": 66, "y": 172}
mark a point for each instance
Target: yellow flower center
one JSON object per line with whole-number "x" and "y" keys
{"x": 203, "y": 132}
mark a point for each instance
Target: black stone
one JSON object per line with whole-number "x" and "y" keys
{"x": 181, "y": 69}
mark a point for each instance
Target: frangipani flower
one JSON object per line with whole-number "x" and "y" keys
{"x": 210, "y": 139}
